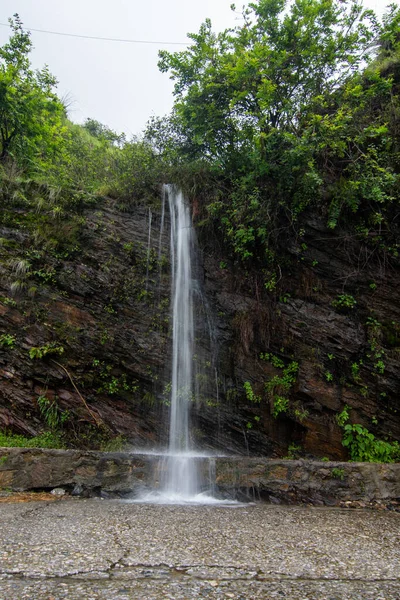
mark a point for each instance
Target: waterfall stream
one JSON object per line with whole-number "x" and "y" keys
{"x": 182, "y": 474}
{"x": 180, "y": 477}
{"x": 148, "y": 250}
{"x": 182, "y": 320}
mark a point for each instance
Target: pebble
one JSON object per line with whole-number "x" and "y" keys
{"x": 58, "y": 492}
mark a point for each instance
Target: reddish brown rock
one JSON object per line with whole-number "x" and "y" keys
{"x": 114, "y": 330}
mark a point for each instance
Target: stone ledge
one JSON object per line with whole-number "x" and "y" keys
{"x": 24, "y": 469}
{"x": 290, "y": 481}
{"x": 298, "y": 481}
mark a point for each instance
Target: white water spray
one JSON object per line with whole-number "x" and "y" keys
{"x": 182, "y": 318}
{"x": 148, "y": 250}
{"x": 180, "y": 467}
{"x": 183, "y": 474}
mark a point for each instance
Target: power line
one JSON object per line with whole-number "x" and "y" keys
{"x": 104, "y": 39}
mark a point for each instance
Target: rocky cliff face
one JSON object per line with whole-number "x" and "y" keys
{"x": 97, "y": 324}
{"x": 85, "y": 338}
{"x": 337, "y": 317}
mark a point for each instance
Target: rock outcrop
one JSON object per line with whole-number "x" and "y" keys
{"x": 87, "y": 336}
{"x": 246, "y": 478}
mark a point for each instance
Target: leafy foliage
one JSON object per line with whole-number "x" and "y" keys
{"x": 52, "y": 163}
{"x": 53, "y": 415}
{"x": 30, "y": 113}
{"x": 42, "y": 351}
{"x": 283, "y": 118}
{"x": 338, "y": 473}
{"x": 280, "y": 405}
{"x": 250, "y": 395}
{"x": 344, "y": 301}
{"x": 48, "y": 439}
{"x": 363, "y": 446}
{"x": 280, "y": 385}
{"x": 110, "y": 383}
{"x": 235, "y": 88}
{"x": 7, "y": 340}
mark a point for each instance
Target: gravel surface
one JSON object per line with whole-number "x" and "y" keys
{"x": 84, "y": 549}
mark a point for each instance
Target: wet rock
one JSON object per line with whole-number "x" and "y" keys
{"x": 101, "y": 308}
{"x": 109, "y": 474}
{"x": 274, "y": 500}
{"x": 77, "y": 490}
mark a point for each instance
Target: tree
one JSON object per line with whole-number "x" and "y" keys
{"x": 30, "y": 112}
{"x": 233, "y": 89}
{"x": 291, "y": 109}
{"x": 103, "y": 133}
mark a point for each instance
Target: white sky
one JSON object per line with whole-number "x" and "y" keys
{"x": 116, "y": 83}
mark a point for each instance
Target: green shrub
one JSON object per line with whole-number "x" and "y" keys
{"x": 7, "y": 340}
{"x": 344, "y": 301}
{"x": 250, "y": 395}
{"x": 338, "y": 473}
{"x": 294, "y": 451}
{"x": 42, "y": 351}
{"x": 53, "y": 415}
{"x": 280, "y": 405}
{"x": 47, "y": 439}
{"x": 363, "y": 446}
{"x": 281, "y": 384}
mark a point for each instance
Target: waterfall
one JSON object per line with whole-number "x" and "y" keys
{"x": 164, "y": 193}
{"x": 182, "y": 474}
{"x": 182, "y": 319}
{"x": 148, "y": 250}
{"x": 181, "y": 468}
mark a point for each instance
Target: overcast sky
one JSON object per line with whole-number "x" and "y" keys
{"x": 116, "y": 83}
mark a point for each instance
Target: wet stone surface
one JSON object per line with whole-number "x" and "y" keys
{"x": 106, "y": 549}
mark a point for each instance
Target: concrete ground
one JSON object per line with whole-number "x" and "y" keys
{"x": 100, "y": 549}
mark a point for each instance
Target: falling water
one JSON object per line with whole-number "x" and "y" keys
{"x": 148, "y": 250}
{"x": 182, "y": 318}
{"x": 182, "y": 474}
{"x": 160, "y": 239}
{"x": 181, "y": 468}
